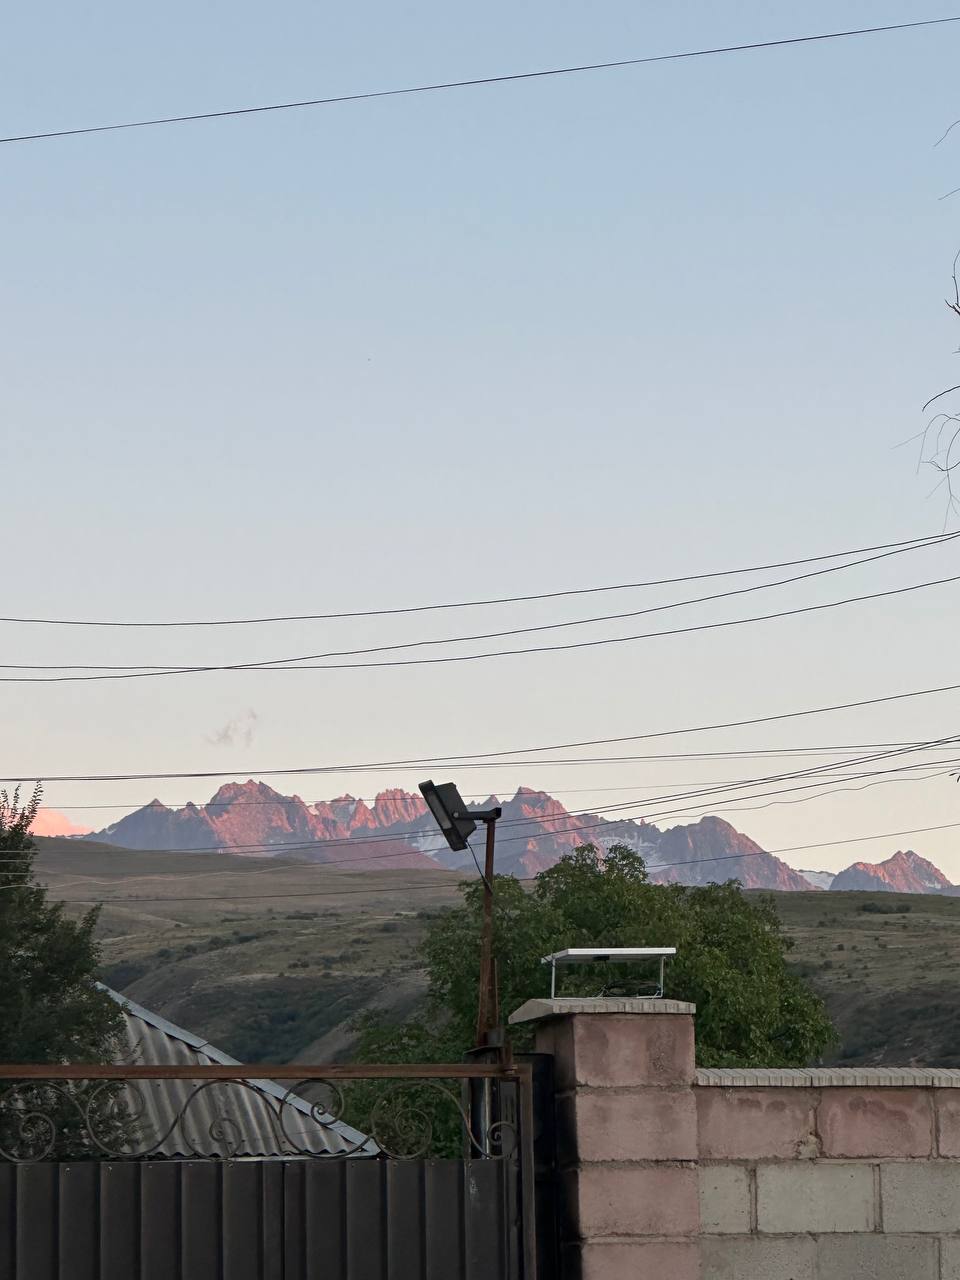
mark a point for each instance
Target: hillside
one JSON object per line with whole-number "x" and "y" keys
{"x": 888, "y": 967}
{"x": 283, "y": 976}
{"x": 291, "y": 956}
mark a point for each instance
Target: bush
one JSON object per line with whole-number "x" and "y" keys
{"x": 125, "y": 973}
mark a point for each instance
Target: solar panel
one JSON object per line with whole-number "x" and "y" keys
{"x": 608, "y": 955}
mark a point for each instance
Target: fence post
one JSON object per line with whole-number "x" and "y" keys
{"x": 627, "y": 1135}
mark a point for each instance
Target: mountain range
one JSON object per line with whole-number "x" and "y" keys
{"x": 396, "y": 831}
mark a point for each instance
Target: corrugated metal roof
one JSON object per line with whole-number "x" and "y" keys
{"x": 219, "y": 1118}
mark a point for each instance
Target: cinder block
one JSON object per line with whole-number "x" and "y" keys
{"x": 921, "y": 1196}
{"x": 607, "y": 1200}
{"x": 634, "y": 1260}
{"x": 756, "y": 1124}
{"x": 878, "y": 1257}
{"x": 725, "y": 1199}
{"x": 890, "y": 1123}
{"x": 642, "y": 1124}
{"x": 947, "y": 1105}
{"x": 613, "y": 1050}
{"x": 758, "y": 1258}
{"x": 815, "y": 1196}
{"x": 950, "y": 1258}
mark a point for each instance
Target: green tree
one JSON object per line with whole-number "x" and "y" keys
{"x": 731, "y": 961}
{"x": 50, "y": 1009}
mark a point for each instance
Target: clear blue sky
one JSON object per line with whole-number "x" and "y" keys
{"x": 529, "y": 336}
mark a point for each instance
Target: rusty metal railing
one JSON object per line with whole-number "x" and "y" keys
{"x": 400, "y": 1111}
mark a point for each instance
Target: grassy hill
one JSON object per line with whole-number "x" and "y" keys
{"x": 281, "y": 969}
{"x": 888, "y": 967}
{"x": 267, "y": 957}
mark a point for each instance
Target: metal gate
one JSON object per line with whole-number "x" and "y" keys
{"x": 217, "y": 1173}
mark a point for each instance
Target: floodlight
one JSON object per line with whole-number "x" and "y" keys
{"x": 453, "y": 818}
{"x": 458, "y": 824}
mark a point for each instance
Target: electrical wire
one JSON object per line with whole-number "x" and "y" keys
{"x": 727, "y": 808}
{"x": 478, "y": 81}
{"x": 56, "y": 806}
{"x": 577, "y": 829}
{"x": 480, "y": 872}
{"x": 699, "y": 792}
{"x": 579, "y": 761}
{"x": 713, "y": 793}
{"x": 157, "y": 667}
{"x": 495, "y": 653}
{"x": 483, "y": 758}
{"x": 930, "y": 539}
{"x": 653, "y": 867}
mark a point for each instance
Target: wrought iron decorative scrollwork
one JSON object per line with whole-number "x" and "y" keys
{"x": 136, "y": 1118}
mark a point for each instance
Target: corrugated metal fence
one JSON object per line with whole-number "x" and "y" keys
{"x": 259, "y": 1220}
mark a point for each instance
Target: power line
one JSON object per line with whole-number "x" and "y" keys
{"x": 653, "y": 867}
{"x": 929, "y": 540}
{"x": 711, "y": 793}
{"x": 478, "y": 81}
{"x": 723, "y": 803}
{"x": 642, "y": 803}
{"x": 811, "y": 771}
{"x": 577, "y": 829}
{"x": 881, "y": 835}
{"x": 736, "y": 806}
{"x": 51, "y": 806}
{"x": 727, "y": 808}
{"x": 579, "y": 761}
{"x": 484, "y": 758}
{"x": 496, "y": 653}
{"x": 158, "y": 667}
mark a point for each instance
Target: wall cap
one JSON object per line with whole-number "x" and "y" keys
{"x": 829, "y": 1077}
{"x": 535, "y": 1010}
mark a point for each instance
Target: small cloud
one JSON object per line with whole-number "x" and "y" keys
{"x": 238, "y": 732}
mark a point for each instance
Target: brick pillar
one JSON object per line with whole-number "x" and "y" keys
{"x": 627, "y": 1135}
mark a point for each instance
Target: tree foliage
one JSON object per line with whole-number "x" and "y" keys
{"x": 50, "y": 1009}
{"x": 731, "y": 961}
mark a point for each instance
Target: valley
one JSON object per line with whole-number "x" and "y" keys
{"x": 271, "y": 958}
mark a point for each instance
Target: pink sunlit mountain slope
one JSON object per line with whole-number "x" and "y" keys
{"x": 903, "y": 873}
{"x": 395, "y": 830}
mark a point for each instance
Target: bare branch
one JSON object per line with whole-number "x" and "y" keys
{"x": 940, "y": 393}
{"x": 947, "y": 134}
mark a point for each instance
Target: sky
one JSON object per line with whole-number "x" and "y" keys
{"x": 517, "y": 338}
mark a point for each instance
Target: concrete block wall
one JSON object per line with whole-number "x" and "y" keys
{"x": 669, "y": 1173}
{"x": 829, "y": 1175}
{"x": 627, "y": 1136}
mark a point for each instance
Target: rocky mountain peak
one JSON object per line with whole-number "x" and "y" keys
{"x": 252, "y": 818}
{"x": 903, "y": 872}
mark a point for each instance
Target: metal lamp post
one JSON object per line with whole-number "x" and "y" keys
{"x": 457, "y": 823}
